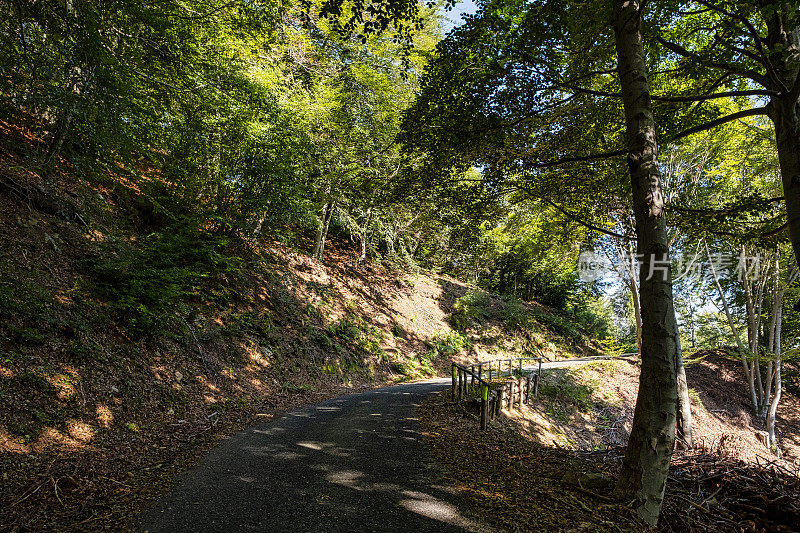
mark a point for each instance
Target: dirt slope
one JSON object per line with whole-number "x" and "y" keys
{"x": 552, "y": 465}
{"x": 103, "y": 398}
{"x": 591, "y": 408}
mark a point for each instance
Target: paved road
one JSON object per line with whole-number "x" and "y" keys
{"x": 355, "y": 463}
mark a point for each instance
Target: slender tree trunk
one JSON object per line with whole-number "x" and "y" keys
{"x": 735, "y": 331}
{"x": 644, "y": 470}
{"x": 637, "y": 311}
{"x": 633, "y": 287}
{"x": 363, "y": 236}
{"x": 757, "y": 339}
{"x": 684, "y": 413}
{"x": 773, "y": 409}
{"x": 322, "y": 232}
{"x": 753, "y": 301}
{"x": 773, "y": 406}
{"x": 63, "y": 125}
{"x": 777, "y": 302}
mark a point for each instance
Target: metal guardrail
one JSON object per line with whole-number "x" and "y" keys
{"x": 506, "y": 388}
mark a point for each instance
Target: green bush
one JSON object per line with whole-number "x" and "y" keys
{"x": 417, "y": 367}
{"x": 448, "y": 344}
{"x": 469, "y": 308}
{"x": 564, "y": 395}
{"x": 516, "y": 316}
{"x": 358, "y": 332}
{"x": 147, "y": 281}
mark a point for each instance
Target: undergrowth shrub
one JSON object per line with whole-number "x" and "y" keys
{"x": 146, "y": 282}
{"x": 516, "y": 316}
{"x": 417, "y": 366}
{"x": 357, "y": 331}
{"x": 471, "y": 307}
{"x": 565, "y": 396}
{"x": 448, "y": 344}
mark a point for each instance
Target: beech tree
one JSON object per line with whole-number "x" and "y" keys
{"x": 647, "y": 456}
{"x": 507, "y": 129}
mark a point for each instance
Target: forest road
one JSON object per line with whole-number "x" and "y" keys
{"x": 354, "y": 463}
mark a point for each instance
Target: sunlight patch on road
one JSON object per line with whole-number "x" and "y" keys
{"x": 311, "y": 445}
{"x": 434, "y": 508}
{"x": 347, "y": 478}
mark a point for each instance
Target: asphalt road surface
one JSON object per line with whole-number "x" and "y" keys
{"x": 355, "y": 463}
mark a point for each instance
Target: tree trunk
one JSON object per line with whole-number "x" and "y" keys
{"x": 786, "y": 118}
{"x": 363, "y": 237}
{"x": 684, "y": 413}
{"x": 633, "y": 287}
{"x": 777, "y": 302}
{"x": 783, "y": 44}
{"x": 63, "y": 125}
{"x": 773, "y": 409}
{"x": 644, "y": 470}
{"x": 637, "y": 313}
{"x": 322, "y": 232}
{"x": 773, "y": 406}
{"x": 735, "y": 331}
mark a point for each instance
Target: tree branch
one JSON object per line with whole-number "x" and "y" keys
{"x": 757, "y": 38}
{"x": 731, "y": 209}
{"x": 691, "y": 98}
{"x": 575, "y": 218}
{"x": 683, "y": 52}
{"x": 756, "y": 111}
{"x": 578, "y": 159}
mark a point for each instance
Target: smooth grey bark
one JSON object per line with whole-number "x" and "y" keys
{"x": 364, "y": 235}
{"x": 637, "y": 308}
{"x": 773, "y": 405}
{"x": 637, "y": 314}
{"x": 684, "y": 412}
{"x": 322, "y": 232}
{"x": 643, "y": 475}
{"x": 775, "y": 347}
{"x": 743, "y": 351}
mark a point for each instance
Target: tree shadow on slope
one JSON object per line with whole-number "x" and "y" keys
{"x": 532, "y": 328}
{"x": 518, "y": 484}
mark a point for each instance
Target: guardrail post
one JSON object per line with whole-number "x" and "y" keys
{"x": 484, "y": 405}
{"x": 499, "y": 402}
{"x": 460, "y": 387}
{"x": 538, "y": 378}
{"x": 453, "y": 388}
{"x": 528, "y": 389}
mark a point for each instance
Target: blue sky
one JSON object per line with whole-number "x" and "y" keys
{"x": 454, "y": 15}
